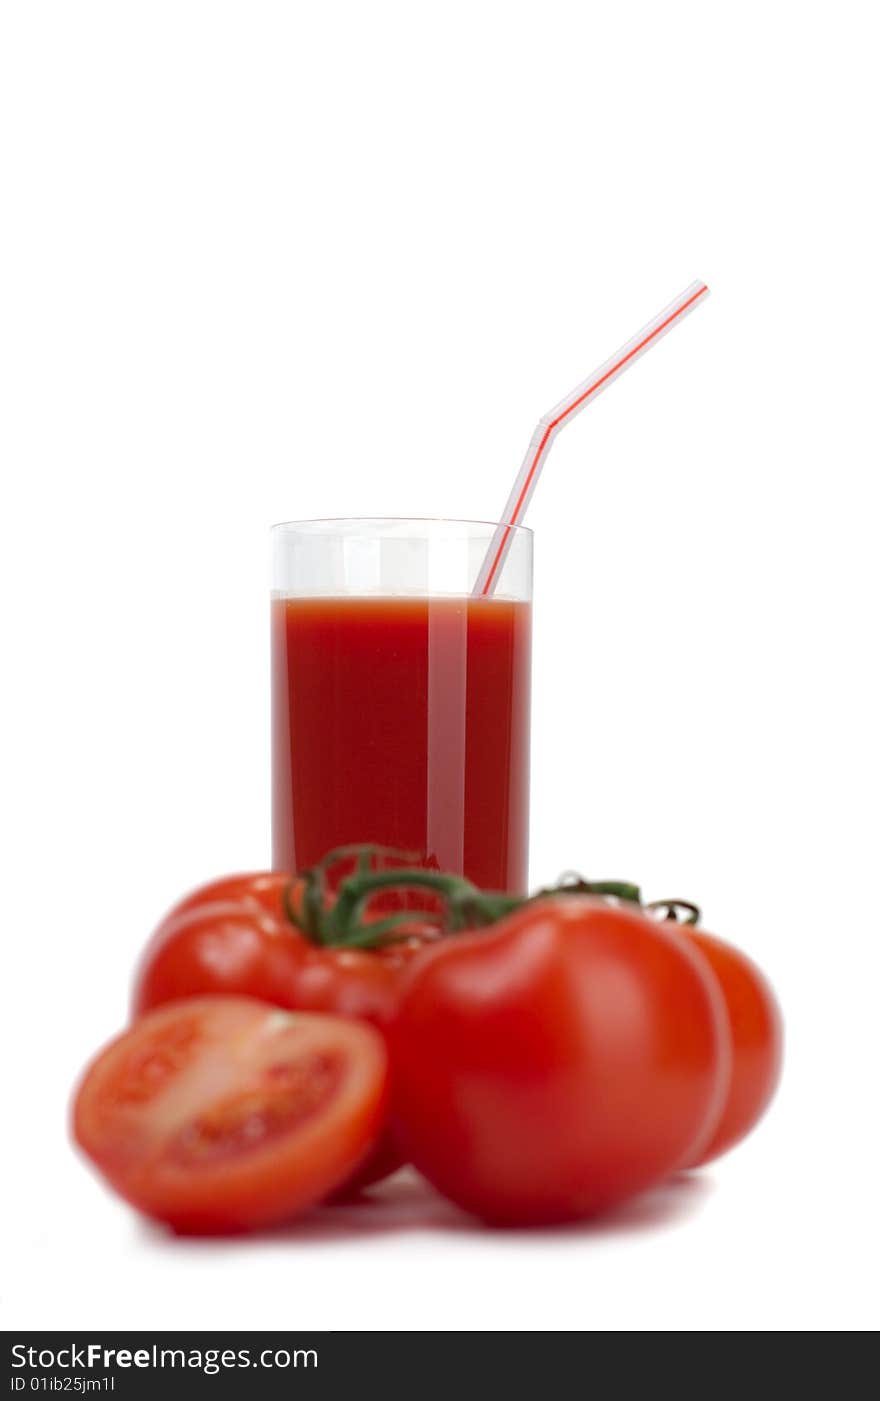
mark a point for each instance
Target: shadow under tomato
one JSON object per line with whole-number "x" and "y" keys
{"x": 406, "y": 1202}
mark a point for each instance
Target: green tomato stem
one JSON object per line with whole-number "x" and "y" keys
{"x": 336, "y": 918}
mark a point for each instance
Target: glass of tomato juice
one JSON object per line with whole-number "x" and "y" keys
{"x": 400, "y": 699}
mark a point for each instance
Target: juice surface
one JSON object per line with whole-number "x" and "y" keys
{"x": 403, "y": 721}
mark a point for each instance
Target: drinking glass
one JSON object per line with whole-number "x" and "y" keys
{"x": 400, "y": 700}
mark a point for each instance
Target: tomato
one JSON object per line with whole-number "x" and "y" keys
{"x": 238, "y": 947}
{"x": 222, "y": 1114}
{"x": 756, "y": 1034}
{"x": 545, "y": 1069}
{"x": 235, "y": 935}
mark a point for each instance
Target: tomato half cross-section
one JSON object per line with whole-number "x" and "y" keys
{"x": 561, "y": 1061}
{"x": 223, "y": 1114}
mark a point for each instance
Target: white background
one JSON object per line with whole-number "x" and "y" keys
{"x": 262, "y": 261}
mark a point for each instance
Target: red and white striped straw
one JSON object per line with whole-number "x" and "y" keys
{"x": 563, "y": 413}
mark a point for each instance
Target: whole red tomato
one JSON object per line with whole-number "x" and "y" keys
{"x": 547, "y": 1068}
{"x": 756, "y": 1035}
{"x": 234, "y": 936}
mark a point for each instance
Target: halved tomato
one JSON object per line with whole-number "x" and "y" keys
{"x": 222, "y": 1113}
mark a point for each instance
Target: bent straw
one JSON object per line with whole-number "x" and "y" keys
{"x": 563, "y": 413}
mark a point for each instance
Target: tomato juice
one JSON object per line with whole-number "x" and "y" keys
{"x": 404, "y": 721}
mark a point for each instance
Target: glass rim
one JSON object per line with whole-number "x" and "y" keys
{"x": 312, "y": 525}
